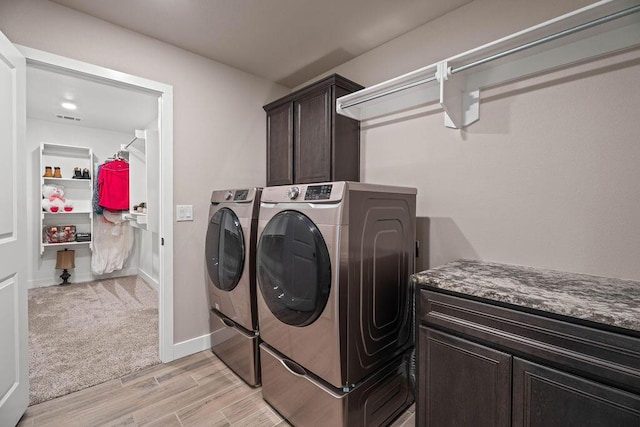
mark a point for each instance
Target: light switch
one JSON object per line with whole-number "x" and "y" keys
{"x": 184, "y": 212}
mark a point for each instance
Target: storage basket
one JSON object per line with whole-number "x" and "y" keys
{"x": 58, "y": 233}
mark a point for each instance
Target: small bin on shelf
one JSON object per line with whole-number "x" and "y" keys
{"x": 58, "y": 233}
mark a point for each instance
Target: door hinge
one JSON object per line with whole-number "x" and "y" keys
{"x": 162, "y": 241}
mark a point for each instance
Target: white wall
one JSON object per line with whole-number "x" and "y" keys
{"x": 104, "y": 143}
{"x": 548, "y": 177}
{"x": 219, "y": 124}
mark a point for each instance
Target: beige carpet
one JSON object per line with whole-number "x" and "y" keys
{"x": 84, "y": 334}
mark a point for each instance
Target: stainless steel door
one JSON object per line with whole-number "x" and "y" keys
{"x": 225, "y": 249}
{"x": 294, "y": 269}
{"x": 230, "y": 255}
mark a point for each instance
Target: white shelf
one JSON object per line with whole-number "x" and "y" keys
{"x": 74, "y": 212}
{"x": 66, "y": 181}
{"x": 139, "y": 217}
{"x": 62, "y": 150}
{"x": 138, "y": 220}
{"x": 77, "y": 191}
{"x": 598, "y": 29}
{"x": 49, "y": 245}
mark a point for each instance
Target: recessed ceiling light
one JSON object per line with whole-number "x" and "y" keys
{"x": 69, "y": 105}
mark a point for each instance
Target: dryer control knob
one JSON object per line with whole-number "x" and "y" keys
{"x": 293, "y": 193}
{"x": 229, "y": 195}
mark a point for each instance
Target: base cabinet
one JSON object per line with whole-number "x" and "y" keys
{"x": 546, "y": 397}
{"x": 462, "y": 383}
{"x": 484, "y": 365}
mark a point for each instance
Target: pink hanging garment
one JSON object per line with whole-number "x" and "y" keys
{"x": 113, "y": 182}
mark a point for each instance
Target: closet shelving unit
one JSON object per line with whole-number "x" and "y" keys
{"x": 137, "y": 157}
{"x": 78, "y": 191}
{"x": 601, "y": 28}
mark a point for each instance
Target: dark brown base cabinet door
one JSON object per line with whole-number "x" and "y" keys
{"x": 461, "y": 383}
{"x": 545, "y": 397}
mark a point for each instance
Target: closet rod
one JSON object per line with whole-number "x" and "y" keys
{"x": 389, "y": 92}
{"x": 587, "y": 25}
{"x": 549, "y": 38}
{"x": 130, "y": 142}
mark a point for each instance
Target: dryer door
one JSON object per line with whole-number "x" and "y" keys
{"x": 294, "y": 268}
{"x": 225, "y": 249}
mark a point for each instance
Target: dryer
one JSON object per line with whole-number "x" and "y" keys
{"x": 230, "y": 263}
{"x": 333, "y": 264}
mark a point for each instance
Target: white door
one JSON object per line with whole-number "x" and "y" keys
{"x": 14, "y": 358}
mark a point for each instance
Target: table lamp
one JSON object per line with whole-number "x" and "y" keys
{"x": 65, "y": 260}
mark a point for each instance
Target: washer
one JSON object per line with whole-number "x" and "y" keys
{"x": 230, "y": 262}
{"x": 333, "y": 266}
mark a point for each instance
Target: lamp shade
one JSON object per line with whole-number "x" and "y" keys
{"x": 65, "y": 259}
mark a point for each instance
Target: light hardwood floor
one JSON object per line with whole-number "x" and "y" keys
{"x": 198, "y": 390}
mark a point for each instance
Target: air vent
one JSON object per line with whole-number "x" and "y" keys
{"x": 75, "y": 119}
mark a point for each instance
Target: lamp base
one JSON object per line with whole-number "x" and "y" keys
{"x": 65, "y": 276}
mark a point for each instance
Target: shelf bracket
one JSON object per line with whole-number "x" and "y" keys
{"x": 461, "y": 106}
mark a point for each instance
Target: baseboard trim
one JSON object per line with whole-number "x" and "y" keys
{"x": 192, "y": 346}
{"x": 81, "y": 278}
{"x": 149, "y": 280}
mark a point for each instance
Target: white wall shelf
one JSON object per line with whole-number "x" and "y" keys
{"x": 593, "y": 31}
{"x": 137, "y": 220}
{"x": 73, "y": 212}
{"x": 62, "y": 245}
{"x": 77, "y": 191}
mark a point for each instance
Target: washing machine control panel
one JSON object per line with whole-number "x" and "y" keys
{"x": 318, "y": 192}
{"x": 243, "y": 195}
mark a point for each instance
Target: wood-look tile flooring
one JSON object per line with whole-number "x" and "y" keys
{"x": 198, "y": 390}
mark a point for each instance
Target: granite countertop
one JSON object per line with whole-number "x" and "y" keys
{"x": 606, "y": 300}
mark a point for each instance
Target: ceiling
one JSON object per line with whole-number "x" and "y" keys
{"x": 99, "y": 105}
{"x": 285, "y": 41}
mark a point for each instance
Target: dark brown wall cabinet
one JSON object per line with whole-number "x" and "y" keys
{"x": 485, "y": 365}
{"x": 307, "y": 141}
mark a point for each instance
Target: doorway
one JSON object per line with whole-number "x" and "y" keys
{"x": 163, "y": 96}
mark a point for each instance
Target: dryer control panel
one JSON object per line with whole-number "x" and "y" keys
{"x": 318, "y": 192}
{"x": 241, "y": 195}
{"x": 325, "y": 192}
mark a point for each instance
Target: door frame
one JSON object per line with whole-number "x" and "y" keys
{"x": 165, "y": 111}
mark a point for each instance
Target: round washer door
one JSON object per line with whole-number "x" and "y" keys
{"x": 225, "y": 249}
{"x": 293, "y": 268}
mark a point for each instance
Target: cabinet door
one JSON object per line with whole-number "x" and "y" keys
{"x": 312, "y": 142}
{"x": 461, "y": 383}
{"x": 280, "y": 145}
{"x": 346, "y": 144}
{"x": 545, "y": 397}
